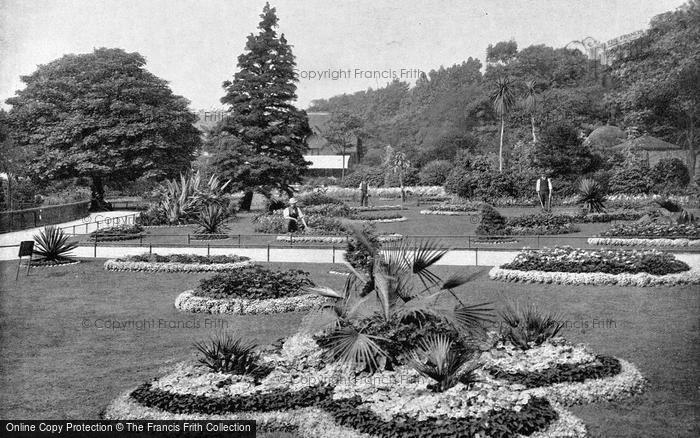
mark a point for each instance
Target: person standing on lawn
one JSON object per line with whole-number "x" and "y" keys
{"x": 294, "y": 216}
{"x": 544, "y": 192}
{"x": 364, "y": 192}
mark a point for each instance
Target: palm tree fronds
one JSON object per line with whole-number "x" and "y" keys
{"x": 348, "y": 346}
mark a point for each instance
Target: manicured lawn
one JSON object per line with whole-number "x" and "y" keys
{"x": 51, "y": 366}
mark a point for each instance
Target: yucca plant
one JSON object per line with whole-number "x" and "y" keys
{"x": 405, "y": 289}
{"x": 212, "y": 219}
{"x": 225, "y": 354}
{"x": 52, "y": 245}
{"x": 591, "y": 195}
{"x": 675, "y": 213}
{"x": 438, "y": 358}
{"x": 527, "y": 326}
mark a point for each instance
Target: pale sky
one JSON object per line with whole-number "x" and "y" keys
{"x": 194, "y": 44}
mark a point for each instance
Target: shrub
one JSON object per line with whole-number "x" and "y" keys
{"x": 670, "y": 175}
{"x": 212, "y": 220}
{"x": 52, "y": 245}
{"x": 274, "y": 204}
{"x": 491, "y": 222}
{"x": 375, "y": 176}
{"x": 527, "y": 326}
{"x": 653, "y": 229}
{"x": 358, "y": 253}
{"x": 254, "y": 282}
{"x": 328, "y": 210}
{"x": 635, "y": 179}
{"x": 435, "y": 173}
{"x": 592, "y": 195}
{"x": 225, "y": 354}
{"x": 411, "y": 177}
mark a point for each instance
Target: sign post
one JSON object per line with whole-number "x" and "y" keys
{"x": 26, "y": 248}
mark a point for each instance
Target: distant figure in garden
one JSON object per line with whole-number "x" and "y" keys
{"x": 544, "y": 192}
{"x": 364, "y": 192}
{"x": 294, "y": 216}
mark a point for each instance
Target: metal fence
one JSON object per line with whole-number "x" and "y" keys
{"x": 39, "y": 216}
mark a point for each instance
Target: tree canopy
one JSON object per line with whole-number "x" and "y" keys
{"x": 103, "y": 116}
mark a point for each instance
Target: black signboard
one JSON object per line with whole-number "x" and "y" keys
{"x": 26, "y": 248}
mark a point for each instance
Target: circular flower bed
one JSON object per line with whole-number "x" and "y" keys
{"x": 518, "y": 393}
{"x": 566, "y": 265}
{"x": 177, "y": 263}
{"x": 614, "y": 241}
{"x": 250, "y": 289}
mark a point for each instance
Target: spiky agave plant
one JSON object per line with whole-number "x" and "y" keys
{"x": 212, "y": 220}
{"x": 405, "y": 289}
{"x": 591, "y": 195}
{"x": 527, "y": 326}
{"x": 226, "y": 354}
{"x": 438, "y": 358}
{"x": 52, "y": 245}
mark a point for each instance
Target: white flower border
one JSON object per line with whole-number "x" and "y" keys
{"x": 169, "y": 226}
{"x": 627, "y": 382}
{"x": 385, "y": 221}
{"x": 596, "y": 278}
{"x": 47, "y": 266}
{"x": 114, "y": 265}
{"x": 449, "y": 212}
{"x": 334, "y": 239}
{"x": 188, "y": 302}
{"x": 619, "y": 241}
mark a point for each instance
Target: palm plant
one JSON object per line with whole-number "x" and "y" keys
{"x": 179, "y": 199}
{"x": 52, "y": 245}
{"x": 503, "y": 98}
{"x": 592, "y": 195}
{"x": 439, "y": 359}
{"x": 675, "y": 213}
{"x": 530, "y": 104}
{"x": 405, "y": 289}
{"x": 226, "y": 354}
{"x": 212, "y": 219}
{"x": 527, "y": 326}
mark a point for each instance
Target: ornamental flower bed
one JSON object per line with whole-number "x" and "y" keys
{"x": 612, "y": 241}
{"x": 121, "y": 232}
{"x": 301, "y": 238}
{"x": 379, "y": 217}
{"x": 319, "y": 225}
{"x": 386, "y": 192}
{"x": 177, "y": 263}
{"x": 378, "y": 208}
{"x": 653, "y": 230}
{"x": 566, "y": 265}
{"x": 517, "y": 394}
{"x": 250, "y": 289}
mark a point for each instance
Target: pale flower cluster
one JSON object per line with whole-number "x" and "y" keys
{"x": 615, "y": 241}
{"x": 386, "y": 192}
{"x": 114, "y": 265}
{"x": 188, "y": 302}
{"x": 641, "y": 279}
{"x": 448, "y": 212}
{"x": 333, "y": 239}
{"x": 509, "y": 358}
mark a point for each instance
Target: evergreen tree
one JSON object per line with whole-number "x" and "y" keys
{"x": 264, "y": 135}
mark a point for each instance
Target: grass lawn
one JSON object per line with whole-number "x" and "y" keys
{"x": 55, "y": 362}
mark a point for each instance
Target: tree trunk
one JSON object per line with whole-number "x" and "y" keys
{"x": 97, "y": 202}
{"x": 691, "y": 152}
{"x": 534, "y": 137}
{"x": 246, "y": 201}
{"x": 403, "y": 192}
{"x": 500, "y": 149}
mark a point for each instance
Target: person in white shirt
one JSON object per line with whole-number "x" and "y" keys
{"x": 364, "y": 192}
{"x": 544, "y": 192}
{"x": 294, "y": 217}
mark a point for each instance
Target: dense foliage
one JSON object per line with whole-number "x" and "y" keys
{"x": 119, "y": 232}
{"x": 254, "y": 282}
{"x": 318, "y": 225}
{"x": 653, "y": 229}
{"x": 226, "y": 354}
{"x": 102, "y": 116}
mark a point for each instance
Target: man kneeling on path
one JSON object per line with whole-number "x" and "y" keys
{"x": 294, "y": 216}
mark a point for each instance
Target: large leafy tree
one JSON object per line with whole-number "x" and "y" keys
{"x": 264, "y": 134}
{"x": 102, "y": 116}
{"x": 657, "y": 78}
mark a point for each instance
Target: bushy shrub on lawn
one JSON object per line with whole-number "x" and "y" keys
{"x": 670, "y": 175}
{"x": 375, "y": 176}
{"x": 435, "y": 173}
{"x": 491, "y": 222}
{"x": 254, "y": 282}
{"x": 411, "y": 177}
{"x": 635, "y": 179}
{"x": 490, "y": 185}
{"x": 317, "y": 197}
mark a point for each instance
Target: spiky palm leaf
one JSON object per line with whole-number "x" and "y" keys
{"x": 527, "y": 325}
{"x": 592, "y": 195}
{"x": 212, "y": 220}
{"x": 52, "y": 244}
{"x": 352, "y": 348}
{"x": 226, "y": 354}
{"x": 437, "y": 358}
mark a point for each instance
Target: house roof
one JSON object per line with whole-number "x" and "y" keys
{"x": 647, "y": 143}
